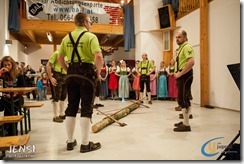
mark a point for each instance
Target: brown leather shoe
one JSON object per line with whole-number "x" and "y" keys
{"x": 182, "y": 128}
{"x": 178, "y": 108}
{"x": 90, "y": 147}
{"x": 178, "y": 124}
{"x": 71, "y": 145}
{"x": 62, "y": 117}
{"x": 57, "y": 119}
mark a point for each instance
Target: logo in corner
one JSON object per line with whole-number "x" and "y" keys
{"x": 211, "y": 147}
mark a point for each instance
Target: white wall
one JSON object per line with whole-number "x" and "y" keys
{"x": 121, "y": 54}
{"x": 34, "y": 58}
{"x": 22, "y": 56}
{"x": 4, "y": 49}
{"x": 146, "y": 19}
{"x": 224, "y": 49}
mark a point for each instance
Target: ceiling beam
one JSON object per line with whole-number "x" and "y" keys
{"x": 32, "y": 37}
{"x": 104, "y": 39}
{"x": 118, "y": 40}
{"x": 68, "y": 26}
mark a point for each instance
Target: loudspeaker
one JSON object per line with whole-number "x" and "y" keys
{"x": 166, "y": 16}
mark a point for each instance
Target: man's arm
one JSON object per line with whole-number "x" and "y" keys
{"x": 98, "y": 62}
{"x": 151, "y": 68}
{"x": 188, "y": 67}
{"x": 49, "y": 74}
{"x": 62, "y": 62}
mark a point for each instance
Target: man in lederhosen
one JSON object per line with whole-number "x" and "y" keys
{"x": 145, "y": 67}
{"x": 184, "y": 77}
{"x": 84, "y": 55}
{"x": 57, "y": 78}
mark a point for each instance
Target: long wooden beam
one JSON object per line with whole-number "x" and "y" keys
{"x": 68, "y": 26}
{"x": 104, "y": 38}
{"x": 32, "y": 36}
{"x": 204, "y": 53}
{"x": 117, "y": 41}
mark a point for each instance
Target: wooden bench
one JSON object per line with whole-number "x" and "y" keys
{"x": 7, "y": 142}
{"x": 26, "y": 109}
{"x": 32, "y": 105}
{"x": 12, "y": 119}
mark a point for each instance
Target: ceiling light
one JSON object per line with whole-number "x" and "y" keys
{"x": 106, "y": 39}
{"x": 49, "y": 36}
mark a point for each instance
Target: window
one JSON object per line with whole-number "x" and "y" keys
{"x": 166, "y": 40}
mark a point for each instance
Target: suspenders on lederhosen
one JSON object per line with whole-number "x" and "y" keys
{"x": 144, "y": 76}
{"x": 80, "y": 69}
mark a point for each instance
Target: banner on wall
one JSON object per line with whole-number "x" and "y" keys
{"x": 65, "y": 10}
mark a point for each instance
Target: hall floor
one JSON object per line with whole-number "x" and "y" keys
{"x": 148, "y": 135}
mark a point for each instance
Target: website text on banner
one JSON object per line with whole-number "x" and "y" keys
{"x": 65, "y": 10}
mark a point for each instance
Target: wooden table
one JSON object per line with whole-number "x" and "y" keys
{"x": 12, "y": 91}
{"x": 18, "y": 89}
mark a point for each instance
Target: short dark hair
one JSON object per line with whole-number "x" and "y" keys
{"x": 184, "y": 34}
{"x": 79, "y": 18}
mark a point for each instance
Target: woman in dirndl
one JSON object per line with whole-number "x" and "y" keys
{"x": 172, "y": 85}
{"x": 123, "y": 72}
{"x": 162, "y": 82}
{"x": 113, "y": 80}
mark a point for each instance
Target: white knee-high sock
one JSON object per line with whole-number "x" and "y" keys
{"x": 149, "y": 96}
{"x": 96, "y": 100}
{"x": 189, "y": 110}
{"x": 61, "y": 108}
{"x": 85, "y": 130}
{"x": 186, "y": 116}
{"x": 141, "y": 95}
{"x": 55, "y": 111}
{"x": 70, "y": 127}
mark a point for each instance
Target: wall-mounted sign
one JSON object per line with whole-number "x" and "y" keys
{"x": 65, "y": 10}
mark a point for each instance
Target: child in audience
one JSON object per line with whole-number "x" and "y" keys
{"x": 45, "y": 83}
{"x": 136, "y": 81}
{"x": 39, "y": 88}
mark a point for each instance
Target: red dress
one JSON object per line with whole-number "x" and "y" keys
{"x": 172, "y": 88}
{"x": 113, "y": 80}
{"x": 136, "y": 82}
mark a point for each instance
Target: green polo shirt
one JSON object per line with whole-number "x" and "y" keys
{"x": 55, "y": 64}
{"x": 87, "y": 47}
{"x": 185, "y": 51}
{"x": 145, "y": 64}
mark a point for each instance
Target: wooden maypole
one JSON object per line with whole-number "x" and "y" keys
{"x": 118, "y": 115}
